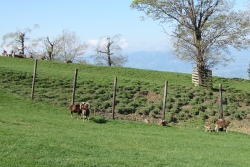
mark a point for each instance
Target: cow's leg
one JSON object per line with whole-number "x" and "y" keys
{"x": 216, "y": 128}
{"x": 71, "y": 114}
{"x": 83, "y": 115}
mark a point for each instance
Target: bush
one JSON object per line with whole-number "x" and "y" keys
{"x": 153, "y": 113}
{"x": 203, "y": 116}
{"x": 194, "y": 112}
{"x": 143, "y": 111}
{"x": 169, "y": 105}
{"x": 106, "y": 105}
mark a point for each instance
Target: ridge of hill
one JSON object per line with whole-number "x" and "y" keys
{"x": 139, "y": 92}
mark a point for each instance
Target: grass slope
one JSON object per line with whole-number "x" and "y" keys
{"x": 38, "y": 134}
{"x": 139, "y": 92}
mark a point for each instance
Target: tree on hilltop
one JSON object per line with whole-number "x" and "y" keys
{"x": 65, "y": 47}
{"x": 203, "y": 30}
{"x": 108, "y": 52}
{"x": 70, "y": 46}
{"x": 16, "y": 40}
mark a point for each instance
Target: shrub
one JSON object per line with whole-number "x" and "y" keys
{"x": 203, "y": 116}
{"x": 106, "y": 105}
{"x": 143, "y": 111}
{"x": 212, "y": 112}
{"x": 237, "y": 116}
{"x": 175, "y": 109}
{"x": 194, "y": 112}
{"x": 153, "y": 113}
{"x": 125, "y": 110}
{"x": 169, "y": 105}
{"x": 247, "y": 102}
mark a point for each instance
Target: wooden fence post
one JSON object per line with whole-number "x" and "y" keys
{"x": 164, "y": 100}
{"x": 74, "y": 86}
{"x": 221, "y": 101}
{"x": 34, "y": 79}
{"x": 114, "y": 95}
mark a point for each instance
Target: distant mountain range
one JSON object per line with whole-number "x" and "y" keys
{"x": 160, "y": 61}
{"x": 163, "y": 61}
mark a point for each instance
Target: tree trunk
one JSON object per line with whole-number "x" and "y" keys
{"x": 22, "y": 43}
{"x": 109, "y": 60}
{"x": 199, "y": 58}
{"x": 109, "y": 52}
{"x": 201, "y": 70}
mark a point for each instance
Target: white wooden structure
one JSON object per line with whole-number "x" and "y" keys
{"x": 206, "y": 77}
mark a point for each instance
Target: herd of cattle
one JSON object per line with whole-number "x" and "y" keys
{"x": 219, "y": 124}
{"x": 82, "y": 108}
{"x": 20, "y": 55}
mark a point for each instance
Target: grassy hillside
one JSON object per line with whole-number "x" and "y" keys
{"x": 39, "y": 134}
{"x": 139, "y": 92}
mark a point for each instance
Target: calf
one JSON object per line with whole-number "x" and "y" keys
{"x": 162, "y": 122}
{"x": 75, "y": 109}
{"x": 85, "y": 110}
{"x": 208, "y": 128}
{"x": 221, "y": 123}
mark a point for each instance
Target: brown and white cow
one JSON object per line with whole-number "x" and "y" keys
{"x": 221, "y": 123}
{"x": 85, "y": 107}
{"x": 75, "y": 108}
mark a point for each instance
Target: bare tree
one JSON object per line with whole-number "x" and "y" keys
{"x": 51, "y": 47}
{"x": 16, "y": 40}
{"x": 65, "y": 47}
{"x": 70, "y": 46}
{"x": 109, "y": 52}
{"x": 203, "y": 29}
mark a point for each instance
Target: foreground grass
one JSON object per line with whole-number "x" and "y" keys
{"x": 36, "y": 134}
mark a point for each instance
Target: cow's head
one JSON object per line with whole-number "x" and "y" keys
{"x": 84, "y": 105}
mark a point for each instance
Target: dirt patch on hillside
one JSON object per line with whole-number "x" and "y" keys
{"x": 242, "y": 126}
{"x": 152, "y": 96}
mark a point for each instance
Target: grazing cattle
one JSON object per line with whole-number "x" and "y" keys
{"x": 221, "y": 123}
{"x": 20, "y": 56}
{"x": 75, "y": 109}
{"x": 42, "y": 58}
{"x": 68, "y": 61}
{"x": 11, "y": 53}
{"x": 85, "y": 110}
{"x": 4, "y": 53}
{"x": 208, "y": 128}
{"x": 162, "y": 122}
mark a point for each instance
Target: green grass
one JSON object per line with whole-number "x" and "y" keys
{"x": 139, "y": 92}
{"x": 38, "y": 134}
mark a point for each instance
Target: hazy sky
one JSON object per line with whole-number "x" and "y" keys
{"x": 90, "y": 19}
